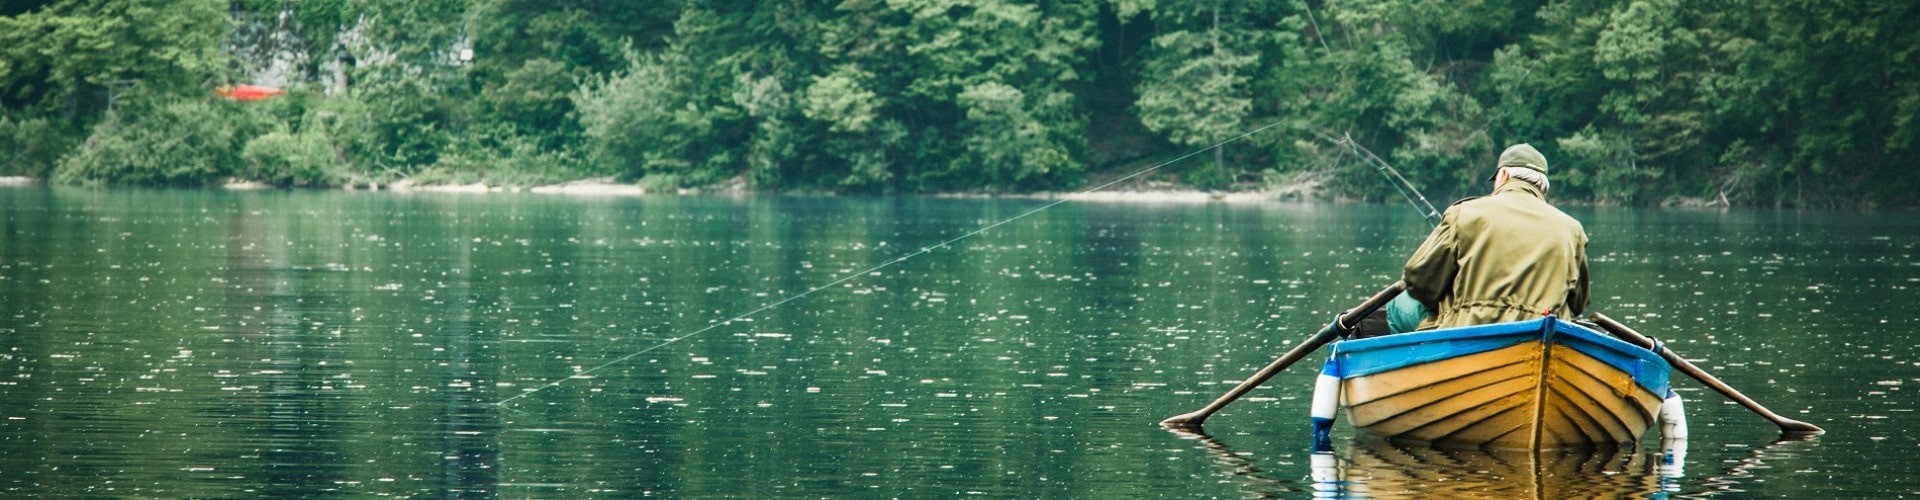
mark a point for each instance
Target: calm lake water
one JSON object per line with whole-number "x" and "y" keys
{"x": 213, "y": 344}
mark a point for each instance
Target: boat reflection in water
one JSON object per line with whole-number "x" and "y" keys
{"x": 1376, "y": 468}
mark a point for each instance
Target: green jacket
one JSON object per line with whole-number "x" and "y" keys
{"x": 1508, "y": 256}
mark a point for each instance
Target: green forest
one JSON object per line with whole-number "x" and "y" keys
{"x": 1638, "y": 102}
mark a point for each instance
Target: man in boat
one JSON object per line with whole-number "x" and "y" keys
{"x": 1507, "y": 256}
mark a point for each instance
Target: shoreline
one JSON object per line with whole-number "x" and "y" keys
{"x": 1170, "y": 196}
{"x": 1147, "y": 193}
{"x": 1151, "y": 192}
{"x": 1155, "y": 193}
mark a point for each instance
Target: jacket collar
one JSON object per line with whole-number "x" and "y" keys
{"x": 1517, "y": 185}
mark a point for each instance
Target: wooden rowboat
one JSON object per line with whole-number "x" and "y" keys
{"x": 1531, "y": 385}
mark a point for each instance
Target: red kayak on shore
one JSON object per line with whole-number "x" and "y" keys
{"x": 246, "y": 93}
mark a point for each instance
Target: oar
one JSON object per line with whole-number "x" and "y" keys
{"x": 1341, "y": 323}
{"x": 1788, "y": 426}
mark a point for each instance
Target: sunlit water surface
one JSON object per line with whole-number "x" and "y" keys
{"x": 208, "y": 344}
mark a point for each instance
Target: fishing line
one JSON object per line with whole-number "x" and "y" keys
{"x": 1405, "y": 187}
{"x": 850, "y": 276}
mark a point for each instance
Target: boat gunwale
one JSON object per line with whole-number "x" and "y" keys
{"x": 1436, "y": 345}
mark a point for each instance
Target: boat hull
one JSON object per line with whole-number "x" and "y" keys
{"x": 1539, "y": 384}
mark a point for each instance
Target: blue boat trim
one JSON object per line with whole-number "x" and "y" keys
{"x": 1360, "y": 358}
{"x": 1322, "y": 434}
{"x": 1364, "y": 357}
{"x": 1649, "y": 370}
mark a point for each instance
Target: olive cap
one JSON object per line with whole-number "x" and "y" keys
{"x": 1522, "y": 155}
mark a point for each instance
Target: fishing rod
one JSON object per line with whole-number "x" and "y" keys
{"x": 1400, "y": 183}
{"x": 903, "y": 258}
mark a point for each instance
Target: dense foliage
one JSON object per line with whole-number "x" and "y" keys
{"x": 1798, "y": 102}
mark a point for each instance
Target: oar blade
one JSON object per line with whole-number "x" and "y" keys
{"x": 1340, "y": 323}
{"x": 1185, "y": 421}
{"x": 1793, "y": 427}
{"x": 1788, "y": 427}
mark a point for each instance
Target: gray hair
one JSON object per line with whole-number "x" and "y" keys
{"x": 1532, "y": 176}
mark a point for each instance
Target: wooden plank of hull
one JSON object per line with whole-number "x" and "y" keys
{"x": 1446, "y": 376}
{"x": 1591, "y": 402}
{"x": 1504, "y": 398}
{"x": 1484, "y": 399}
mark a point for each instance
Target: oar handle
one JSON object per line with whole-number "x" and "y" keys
{"x": 1340, "y": 323}
{"x": 1787, "y": 425}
